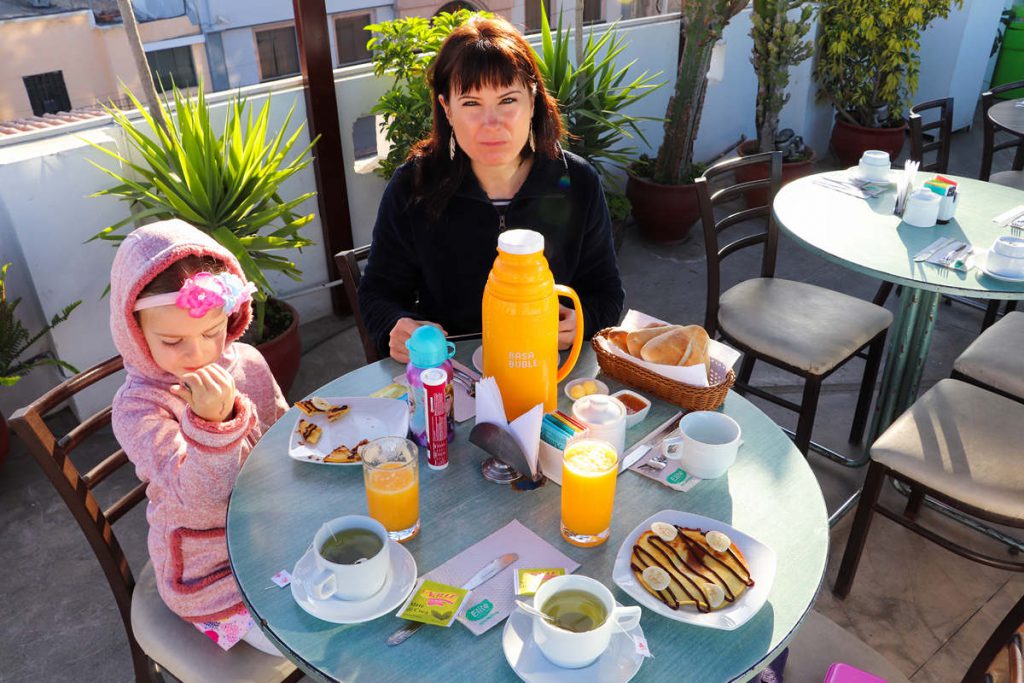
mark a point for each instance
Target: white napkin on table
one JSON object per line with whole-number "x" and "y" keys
{"x": 525, "y": 429}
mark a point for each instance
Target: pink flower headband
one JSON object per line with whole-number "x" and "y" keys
{"x": 202, "y": 292}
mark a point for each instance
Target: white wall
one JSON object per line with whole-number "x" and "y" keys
{"x": 240, "y": 57}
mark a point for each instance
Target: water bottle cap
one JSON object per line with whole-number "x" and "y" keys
{"x": 427, "y": 347}
{"x": 521, "y": 242}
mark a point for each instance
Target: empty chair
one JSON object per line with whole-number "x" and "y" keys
{"x": 807, "y": 330}
{"x": 1015, "y": 176}
{"x": 156, "y": 635}
{"x": 994, "y": 360}
{"x": 942, "y": 126}
{"x": 348, "y": 268}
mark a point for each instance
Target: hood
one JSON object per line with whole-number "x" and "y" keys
{"x": 144, "y": 254}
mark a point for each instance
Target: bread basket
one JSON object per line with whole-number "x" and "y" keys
{"x": 683, "y": 395}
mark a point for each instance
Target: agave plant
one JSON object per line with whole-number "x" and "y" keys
{"x": 227, "y": 185}
{"x": 594, "y": 94}
{"x": 15, "y": 339}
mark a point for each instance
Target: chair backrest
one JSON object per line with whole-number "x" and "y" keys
{"x": 943, "y": 127}
{"x": 1002, "y": 655}
{"x": 348, "y": 268}
{"x": 767, "y": 168}
{"x": 52, "y": 452}
{"x": 990, "y": 147}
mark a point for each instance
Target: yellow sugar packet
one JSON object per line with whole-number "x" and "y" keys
{"x": 527, "y": 581}
{"x": 434, "y": 603}
{"x": 393, "y": 390}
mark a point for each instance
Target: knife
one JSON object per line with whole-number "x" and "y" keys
{"x": 640, "y": 450}
{"x": 483, "y": 576}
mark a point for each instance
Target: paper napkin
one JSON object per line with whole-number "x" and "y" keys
{"x": 525, "y": 429}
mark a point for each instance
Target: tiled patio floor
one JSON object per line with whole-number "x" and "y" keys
{"x": 925, "y": 609}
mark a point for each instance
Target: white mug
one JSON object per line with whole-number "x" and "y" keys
{"x": 874, "y": 165}
{"x": 572, "y": 650}
{"x": 922, "y": 209}
{"x": 349, "y": 581}
{"x": 605, "y": 417}
{"x": 707, "y": 444}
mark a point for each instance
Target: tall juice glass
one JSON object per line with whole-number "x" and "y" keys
{"x": 589, "y": 471}
{"x": 391, "y": 472}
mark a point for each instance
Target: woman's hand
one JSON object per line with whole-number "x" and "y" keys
{"x": 209, "y": 391}
{"x": 566, "y": 326}
{"x": 401, "y": 332}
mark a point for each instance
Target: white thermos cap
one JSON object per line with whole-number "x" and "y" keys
{"x": 521, "y": 242}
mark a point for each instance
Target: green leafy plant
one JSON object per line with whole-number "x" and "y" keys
{"x": 868, "y": 60}
{"x": 227, "y": 185}
{"x": 778, "y": 45}
{"x": 15, "y": 339}
{"x": 594, "y": 94}
{"x": 405, "y": 49}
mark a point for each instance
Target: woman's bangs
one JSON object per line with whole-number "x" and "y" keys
{"x": 486, "y": 65}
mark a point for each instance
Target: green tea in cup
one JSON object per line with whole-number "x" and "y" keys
{"x": 575, "y": 610}
{"x": 350, "y": 546}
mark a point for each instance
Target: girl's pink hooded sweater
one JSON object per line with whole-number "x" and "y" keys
{"x": 189, "y": 464}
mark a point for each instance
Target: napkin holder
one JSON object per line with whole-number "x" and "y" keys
{"x": 507, "y": 462}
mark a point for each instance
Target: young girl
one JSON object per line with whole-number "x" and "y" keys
{"x": 189, "y": 412}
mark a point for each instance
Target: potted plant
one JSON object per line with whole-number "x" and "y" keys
{"x": 867, "y": 67}
{"x": 661, "y": 190}
{"x": 778, "y": 45}
{"x": 15, "y": 340}
{"x": 227, "y": 184}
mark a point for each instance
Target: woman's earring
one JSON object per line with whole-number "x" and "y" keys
{"x": 451, "y": 146}
{"x": 533, "y": 142}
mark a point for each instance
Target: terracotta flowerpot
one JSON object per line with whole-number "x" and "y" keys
{"x": 283, "y": 353}
{"x": 664, "y": 213}
{"x": 850, "y": 140}
{"x": 791, "y": 170}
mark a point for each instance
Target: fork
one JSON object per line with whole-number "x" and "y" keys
{"x": 463, "y": 379}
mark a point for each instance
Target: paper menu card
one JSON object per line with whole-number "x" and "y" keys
{"x": 694, "y": 375}
{"x": 490, "y": 603}
{"x": 525, "y": 429}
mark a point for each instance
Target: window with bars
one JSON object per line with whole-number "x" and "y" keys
{"x": 47, "y": 93}
{"x": 278, "y": 52}
{"x": 533, "y": 14}
{"x": 173, "y": 66}
{"x": 351, "y": 38}
{"x": 591, "y": 11}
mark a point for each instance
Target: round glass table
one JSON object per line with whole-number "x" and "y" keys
{"x": 1008, "y": 115}
{"x": 865, "y": 236}
{"x": 278, "y": 504}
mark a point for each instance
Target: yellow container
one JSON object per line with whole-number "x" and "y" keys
{"x": 391, "y": 473}
{"x": 520, "y": 325}
{"x": 590, "y": 469}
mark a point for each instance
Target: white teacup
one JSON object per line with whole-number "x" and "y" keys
{"x": 707, "y": 444}
{"x": 356, "y": 581}
{"x": 575, "y": 650}
{"x": 874, "y": 165}
{"x": 922, "y": 209}
{"x": 1006, "y": 257}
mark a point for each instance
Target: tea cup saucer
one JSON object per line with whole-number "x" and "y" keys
{"x": 618, "y": 664}
{"x": 399, "y": 583}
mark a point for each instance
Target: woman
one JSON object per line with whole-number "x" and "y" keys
{"x": 492, "y": 162}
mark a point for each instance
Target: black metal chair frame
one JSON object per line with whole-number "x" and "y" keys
{"x": 943, "y": 126}
{"x": 988, "y": 98}
{"x": 872, "y": 351}
{"x": 348, "y": 269}
{"x": 999, "y": 639}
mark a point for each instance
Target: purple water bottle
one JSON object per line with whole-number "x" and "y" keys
{"x": 428, "y": 349}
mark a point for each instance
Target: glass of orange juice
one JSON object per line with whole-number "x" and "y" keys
{"x": 391, "y": 472}
{"x": 589, "y": 471}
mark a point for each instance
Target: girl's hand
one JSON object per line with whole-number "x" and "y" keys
{"x": 401, "y": 332}
{"x": 209, "y": 391}
{"x": 566, "y": 326}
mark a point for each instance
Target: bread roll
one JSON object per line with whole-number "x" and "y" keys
{"x": 635, "y": 340}
{"x": 681, "y": 346}
{"x": 617, "y": 336}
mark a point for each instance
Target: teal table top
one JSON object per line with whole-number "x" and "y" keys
{"x": 865, "y": 236}
{"x": 279, "y": 503}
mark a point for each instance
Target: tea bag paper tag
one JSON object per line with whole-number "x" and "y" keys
{"x": 434, "y": 603}
{"x": 641, "y": 646}
{"x": 282, "y": 578}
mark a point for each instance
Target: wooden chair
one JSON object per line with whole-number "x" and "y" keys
{"x": 350, "y": 273}
{"x": 958, "y": 444}
{"x": 184, "y": 652}
{"x": 804, "y": 329}
{"x": 1002, "y": 657}
{"x": 943, "y": 125}
{"x": 993, "y": 361}
{"x": 1015, "y": 176}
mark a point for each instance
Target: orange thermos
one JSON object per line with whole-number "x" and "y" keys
{"x": 520, "y": 325}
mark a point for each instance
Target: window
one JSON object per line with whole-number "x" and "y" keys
{"x": 172, "y": 66}
{"x": 351, "y": 38}
{"x": 591, "y": 11}
{"x": 533, "y": 13}
{"x": 454, "y": 6}
{"x": 47, "y": 93}
{"x": 278, "y": 52}
{"x": 364, "y": 137}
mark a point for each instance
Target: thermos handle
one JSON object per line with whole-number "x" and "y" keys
{"x": 577, "y": 341}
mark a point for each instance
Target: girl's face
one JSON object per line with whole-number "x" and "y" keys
{"x": 180, "y": 343}
{"x": 491, "y": 124}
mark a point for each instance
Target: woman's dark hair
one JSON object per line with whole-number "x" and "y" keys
{"x": 481, "y": 52}
{"x": 174, "y": 276}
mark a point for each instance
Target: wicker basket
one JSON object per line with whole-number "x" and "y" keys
{"x": 683, "y": 395}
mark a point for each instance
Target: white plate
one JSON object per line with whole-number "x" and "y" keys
{"x": 478, "y": 359}
{"x": 981, "y": 260}
{"x": 760, "y": 558}
{"x": 369, "y": 418}
{"x": 400, "y": 582}
{"x": 618, "y": 664}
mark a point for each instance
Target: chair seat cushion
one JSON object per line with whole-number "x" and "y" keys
{"x": 805, "y": 326}
{"x": 185, "y": 653}
{"x": 1008, "y": 178}
{"x": 995, "y": 357}
{"x": 965, "y": 442}
{"x": 820, "y": 642}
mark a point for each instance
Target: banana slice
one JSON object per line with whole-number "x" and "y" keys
{"x": 658, "y": 579}
{"x": 321, "y": 403}
{"x": 716, "y": 596}
{"x": 718, "y": 541}
{"x": 665, "y": 532}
